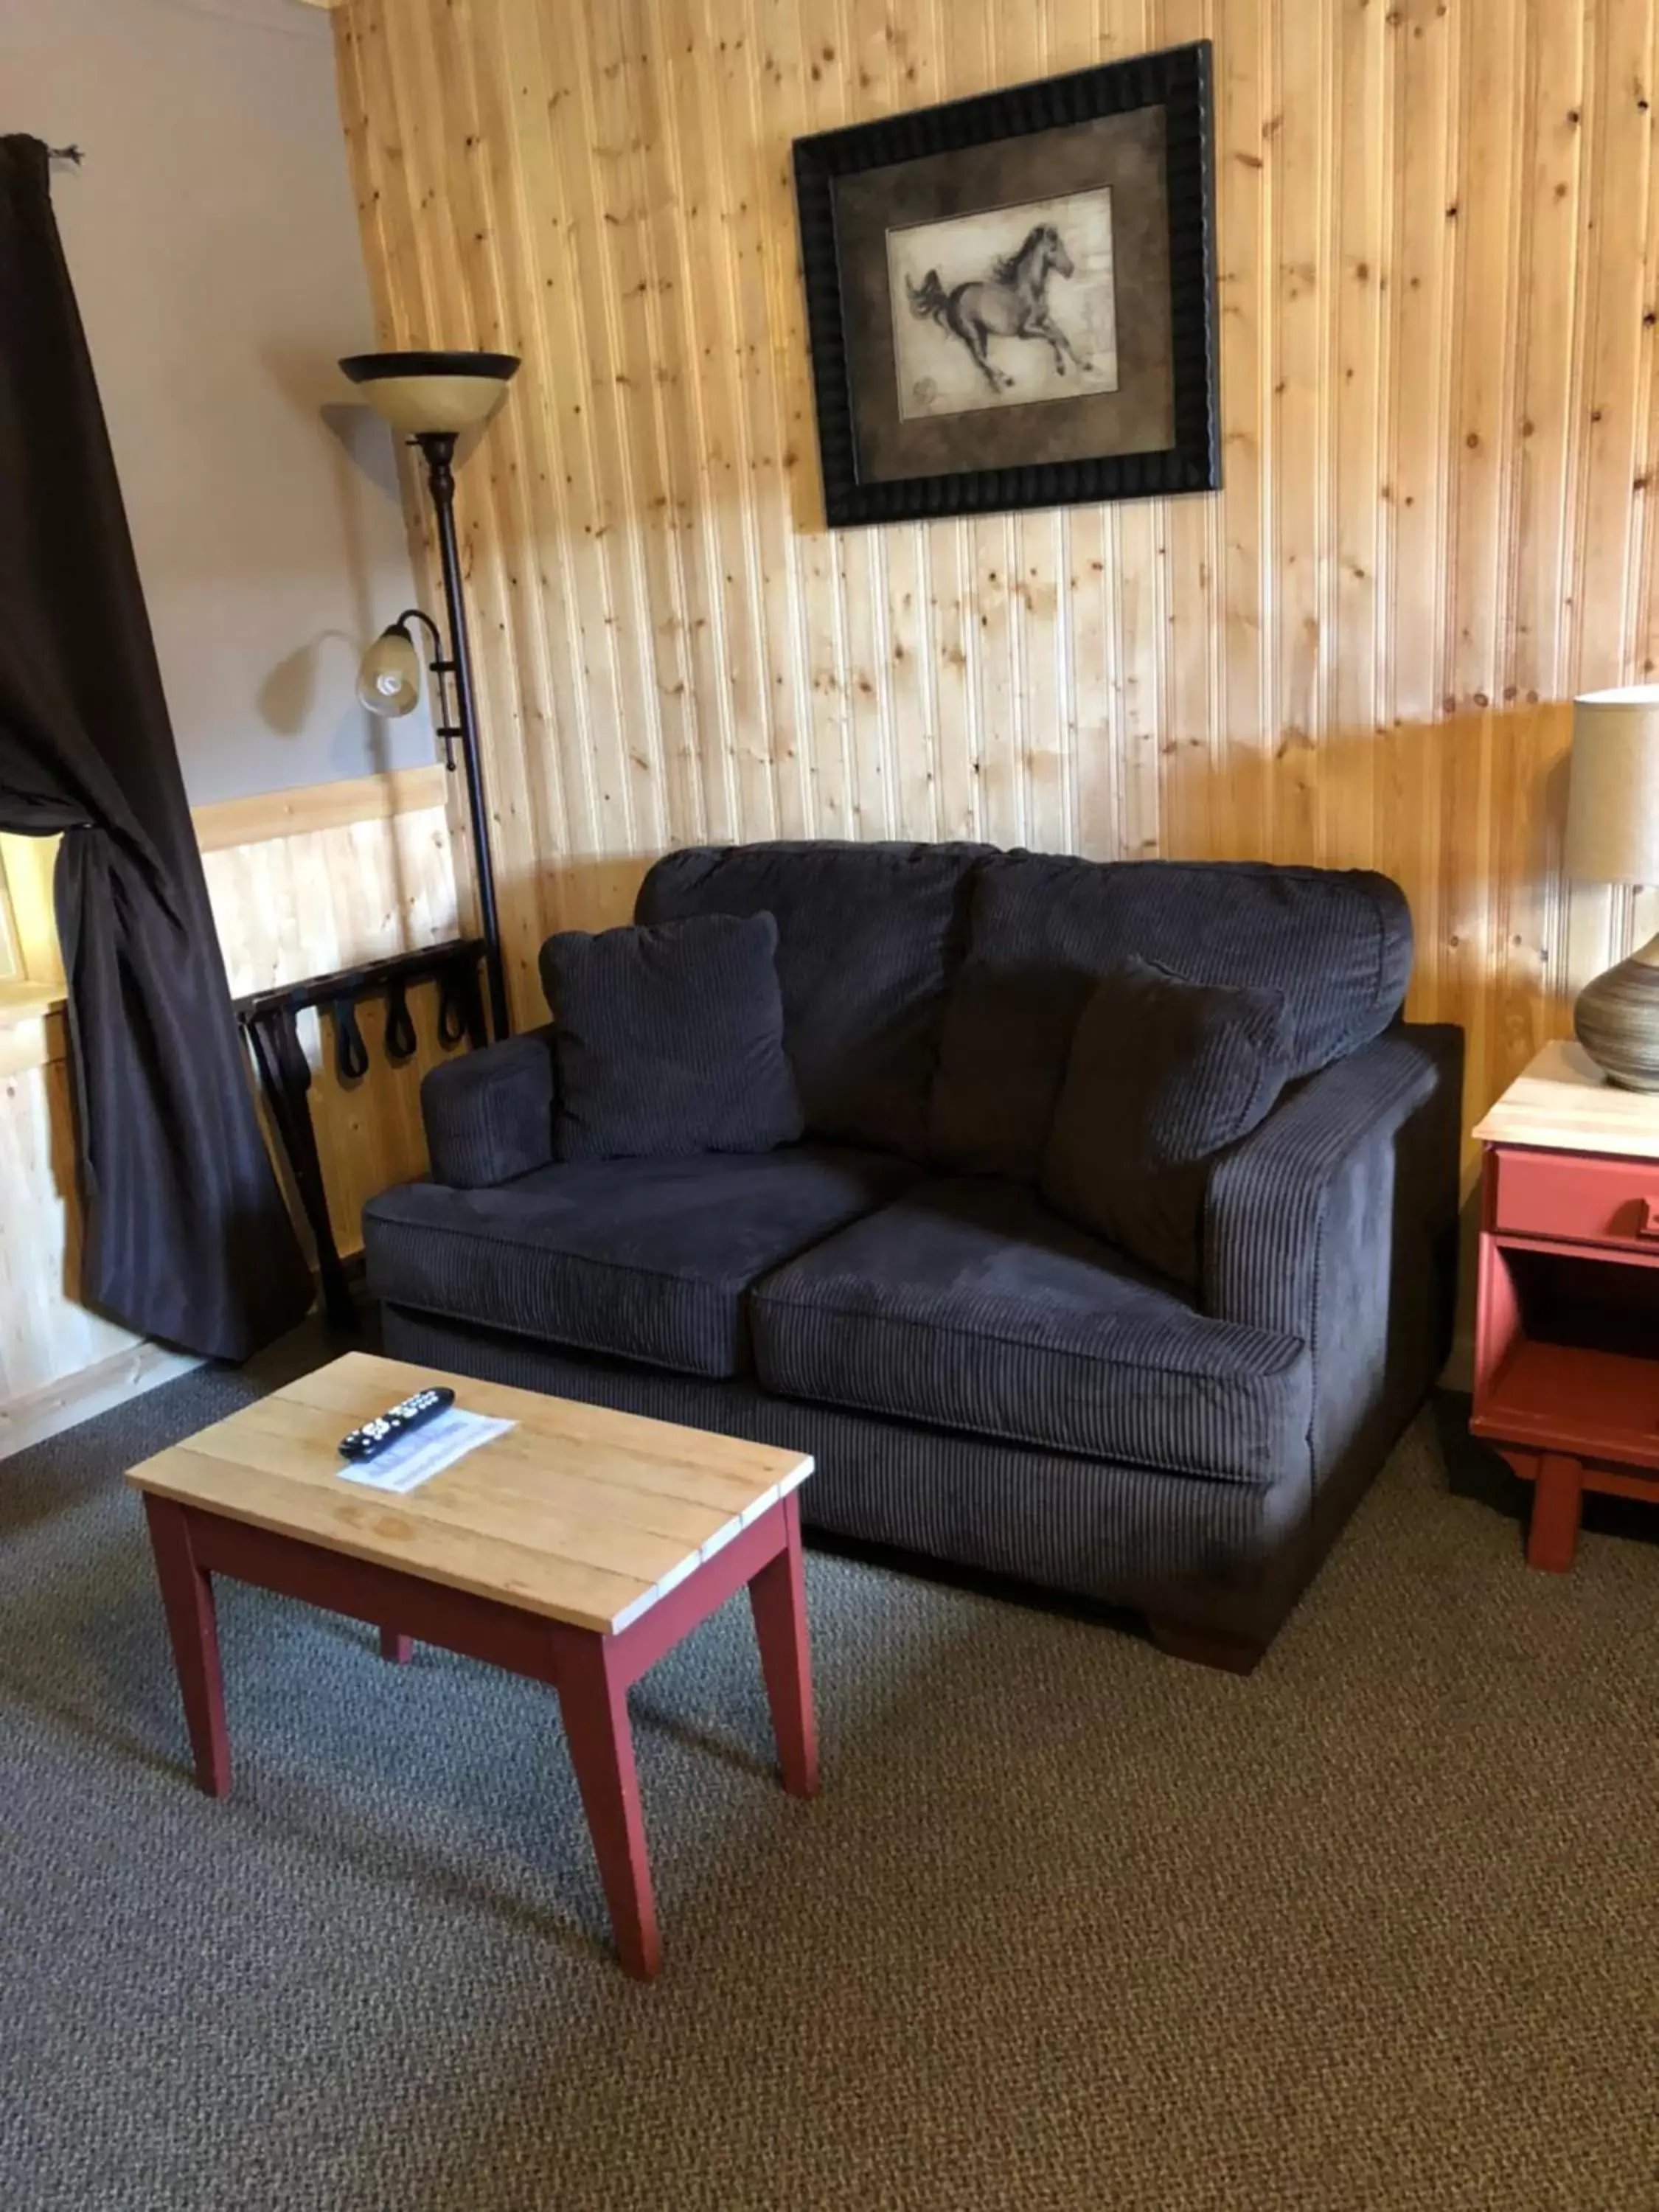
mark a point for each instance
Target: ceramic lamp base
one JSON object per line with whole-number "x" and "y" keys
{"x": 1617, "y": 1020}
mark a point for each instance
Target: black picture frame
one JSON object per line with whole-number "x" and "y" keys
{"x": 1179, "y": 80}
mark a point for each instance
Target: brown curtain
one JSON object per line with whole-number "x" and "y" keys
{"x": 186, "y": 1238}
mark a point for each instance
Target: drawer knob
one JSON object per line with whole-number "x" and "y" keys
{"x": 1649, "y": 1224}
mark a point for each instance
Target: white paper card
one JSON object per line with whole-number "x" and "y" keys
{"x": 415, "y": 1458}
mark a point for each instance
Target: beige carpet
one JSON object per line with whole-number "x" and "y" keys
{"x": 1073, "y": 1925}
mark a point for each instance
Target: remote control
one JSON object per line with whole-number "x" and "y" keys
{"x": 385, "y": 1428}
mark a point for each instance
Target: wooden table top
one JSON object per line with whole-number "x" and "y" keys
{"x": 1563, "y": 1103}
{"x": 579, "y": 1513}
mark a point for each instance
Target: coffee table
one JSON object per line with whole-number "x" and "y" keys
{"x": 577, "y": 1549}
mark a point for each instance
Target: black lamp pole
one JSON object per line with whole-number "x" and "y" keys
{"x": 428, "y": 396}
{"x": 438, "y": 450}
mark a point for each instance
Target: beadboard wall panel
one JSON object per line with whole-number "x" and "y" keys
{"x": 1438, "y": 255}
{"x": 373, "y": 878}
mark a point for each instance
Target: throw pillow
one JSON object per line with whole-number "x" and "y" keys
{"x": 669, "y": 1040}
{"x": 1163, "y": 1074}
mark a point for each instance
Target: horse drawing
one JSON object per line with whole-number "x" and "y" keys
{"x": 1013, "y": 303}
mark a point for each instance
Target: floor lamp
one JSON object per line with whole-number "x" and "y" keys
{"x": 429, "y": 399}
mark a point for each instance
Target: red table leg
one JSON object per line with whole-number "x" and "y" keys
{"x": 591, "y": 1672}
{"x": 1557, "y": 1497}
{"x": 594, "y": 1701}
{"x": 777, "y": 1597}
{"x": 187, "y": 1597}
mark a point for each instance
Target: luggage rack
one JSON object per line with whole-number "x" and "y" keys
{"x": 269, "y": 1020}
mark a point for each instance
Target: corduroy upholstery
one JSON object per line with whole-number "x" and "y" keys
{"x": 1230, "y": 1556}
{"x": 647, "y": 1260}
{"x": 869, "y": 936}
{"x": 488, "y": 1114}
{"x": 1336, "y": 1222}
{"x": 971, "y": 1305}
{"x": 669, "y": 1041}
{"x": 977, "y": 1378}
{"x": 1042, "y": 931}
{"x": 1163, "y": 1074}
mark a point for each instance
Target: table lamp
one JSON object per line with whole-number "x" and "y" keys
{"x": 1612, "y": 837}
{"x": 430, "y": 398}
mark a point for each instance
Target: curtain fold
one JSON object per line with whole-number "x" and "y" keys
{"x": 187, "y": 1236}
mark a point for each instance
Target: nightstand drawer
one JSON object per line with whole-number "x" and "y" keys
{"x": 1581, "y": 1201}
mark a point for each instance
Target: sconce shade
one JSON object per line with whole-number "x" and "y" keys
{"x": 389, "y": 674}
{"x": 420, "y": 392}
{"x": 1612, "y": 801}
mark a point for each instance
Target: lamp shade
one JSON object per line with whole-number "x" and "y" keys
{"x": 1612, "y": 804}
{"x": 389, "y": 674}
{"x": 420, "y": 392}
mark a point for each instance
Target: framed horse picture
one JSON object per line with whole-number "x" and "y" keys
{"x": 1010, "y": 300}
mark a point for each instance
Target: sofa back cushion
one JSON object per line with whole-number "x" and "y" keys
{"x": 1042, "y": 931}
{"x": 868, "y": 938}
{"x": 669, "y": 1041}
{"x": 1163, "y": 1074}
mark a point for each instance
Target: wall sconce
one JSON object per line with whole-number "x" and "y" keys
{"x": 429, "y": 399}
{"x": 389, "y": 674}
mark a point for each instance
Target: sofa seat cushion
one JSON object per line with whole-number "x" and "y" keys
{"x": 644, "y": 1259}
{"x": 969, "y": 1304}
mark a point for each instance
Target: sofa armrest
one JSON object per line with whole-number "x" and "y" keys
{"x": 488, "y": 1114}
{"x": 1336, "y": 1222}
{"x": 1267, "y": 1212}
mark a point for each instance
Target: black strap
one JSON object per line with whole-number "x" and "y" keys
{"x": 350, "y": 1052}
{"x": 400, "y": 1038}
{"x": 453, "y": 1012}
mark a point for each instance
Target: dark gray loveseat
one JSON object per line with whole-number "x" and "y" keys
{"x": 980, "y": 1379}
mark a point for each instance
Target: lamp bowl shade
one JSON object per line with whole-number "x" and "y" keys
{"x": 1612, "y": 804}
{"x": 389, "y": 674}
{"x": 418, "y": 392}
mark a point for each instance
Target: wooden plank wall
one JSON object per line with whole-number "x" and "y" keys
{"x": 301, "y": 883}
{"x": 357, "y": 871}
{"x": 1439, "y": 264}
{"x": 46, "y": 1336}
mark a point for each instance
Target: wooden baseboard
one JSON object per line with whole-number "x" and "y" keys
{"x": 35, "y": 1415}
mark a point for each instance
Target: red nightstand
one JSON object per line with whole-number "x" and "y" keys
{"x": 1566, "y": 1364}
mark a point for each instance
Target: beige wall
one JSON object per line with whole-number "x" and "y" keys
{"x": 211, "y": 240}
